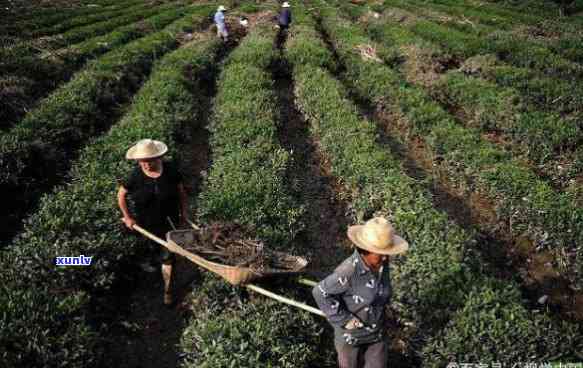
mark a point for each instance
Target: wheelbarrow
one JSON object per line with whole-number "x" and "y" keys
{"x": 236, "y": 275}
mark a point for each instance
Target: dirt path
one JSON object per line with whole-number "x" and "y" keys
{"x": 145, "y": 333}
{"x": 325, "y": 218}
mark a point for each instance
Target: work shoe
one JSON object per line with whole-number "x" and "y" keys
{"x": 147, "y": 267}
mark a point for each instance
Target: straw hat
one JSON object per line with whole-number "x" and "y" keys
{"x": 146, "y": 149}
{"x": 222, "y": 8}
{"x": 285, "y": 5}
{"x": 377, "y": 236}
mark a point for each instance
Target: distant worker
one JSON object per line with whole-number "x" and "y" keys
{"x": 285, "y": 18}
{"x": 355, "y": 295}
{"x": 221, "y": 25}
{"x": 157, "y": 193}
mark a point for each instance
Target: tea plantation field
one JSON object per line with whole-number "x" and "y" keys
{"x": 461, "y": 121}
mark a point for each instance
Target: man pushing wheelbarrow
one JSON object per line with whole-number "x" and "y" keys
{"x": 157, "y": 193}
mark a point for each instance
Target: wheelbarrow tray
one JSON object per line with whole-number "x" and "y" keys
{"x": 177, "y": 240}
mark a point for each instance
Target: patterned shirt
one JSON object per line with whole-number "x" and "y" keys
{"x": 353, "y": 290}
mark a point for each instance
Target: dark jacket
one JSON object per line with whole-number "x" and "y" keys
{"x": 285, "y": 17}
{"x": 354, "y": 290}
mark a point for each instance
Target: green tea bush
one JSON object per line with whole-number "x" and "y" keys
{"x": 542, "y": 136}
{"x": 39, "y": 75}
{"x": 262, "y": 334}
{"x": 507, "y": 46}
{"x": 45, "y": 321}
{"x": 429, "y": 284}
{"x": 493, "y": 326}
{"x": 24, "y": 23}
{"x": 80, "y": 109}
{"x": 432, "y": 289}
{"x": 539, "y": 91}
{"x": 80, "y": 34}
{"x": 552, "y": 220}
{"x": 121, "y": 10}
{"x": 246, "y": 183}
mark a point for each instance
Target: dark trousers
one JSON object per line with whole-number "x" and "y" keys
{"x": 153, "y": 252}
{"x": 366, "y": 356}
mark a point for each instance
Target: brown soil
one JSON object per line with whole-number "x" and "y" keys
{"x": 146, "y": 333}
{"x": 325, "y": 236}
{"x": 420, "y": 66}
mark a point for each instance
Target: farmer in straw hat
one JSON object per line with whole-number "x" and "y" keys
{"x": 285, "y": 18}
{"x": 354, "y": 296}
{"x": 158, "y": 198}
{"x": 220, "y": 23}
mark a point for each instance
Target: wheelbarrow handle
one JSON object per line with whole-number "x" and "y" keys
{"x": 307, "y": 282}
{"x": 148, "y": 234}
{"x": 285, "y": 300}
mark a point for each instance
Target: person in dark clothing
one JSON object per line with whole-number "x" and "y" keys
{"x": 157, "y": 193}
{"x": 355, "y": 295}
{"x": 285, "y": 17}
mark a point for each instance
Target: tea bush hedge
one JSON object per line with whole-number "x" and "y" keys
{"x": 23, "y": 23}
{"x": 543, "y": 136}
{"x": 432, "y": 288}
{"x": 81, "y": 109}
{"x": 39, "y": 75}
{"x": 549, "y": 218}
{"x": 260, "y": 333}
{"x": 46, "y": 320}
{"x": 246, "y": 184}
{"x": 121, "y": 9}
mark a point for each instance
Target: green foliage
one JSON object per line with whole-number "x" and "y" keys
{"x": 492, "y": 326}
{"x": 24, "y": 23}
{"x": 259, "y": 335}
{"x": 90, "y": 20}
{"x": 541, "y": 136}
{"x": 437, "y": 275}
{"x": 429, "y": 282}
{"x": 45, "y": 320}
{"x": 468, "y": 158}
{"x": 303, "y": 46}
{"x": 246, "y": 183}
{"x": 80, "y": 108}
{"x": 39, "y": 75}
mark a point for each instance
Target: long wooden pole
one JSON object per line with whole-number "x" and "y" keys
{"x": 285, "y": 300}
{"x": 307, "y": 282}
{"x": 149, "y": 235}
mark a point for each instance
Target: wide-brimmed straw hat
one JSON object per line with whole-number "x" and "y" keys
{"x": 377, "y": 235}
{"x": 222, "y": 8}
{"x": 285, "y": 5}
{"x": 146, "y": 149}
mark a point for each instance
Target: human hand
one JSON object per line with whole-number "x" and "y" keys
{"x": 129, "y": 222}
{"x": 353, "y": 324}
